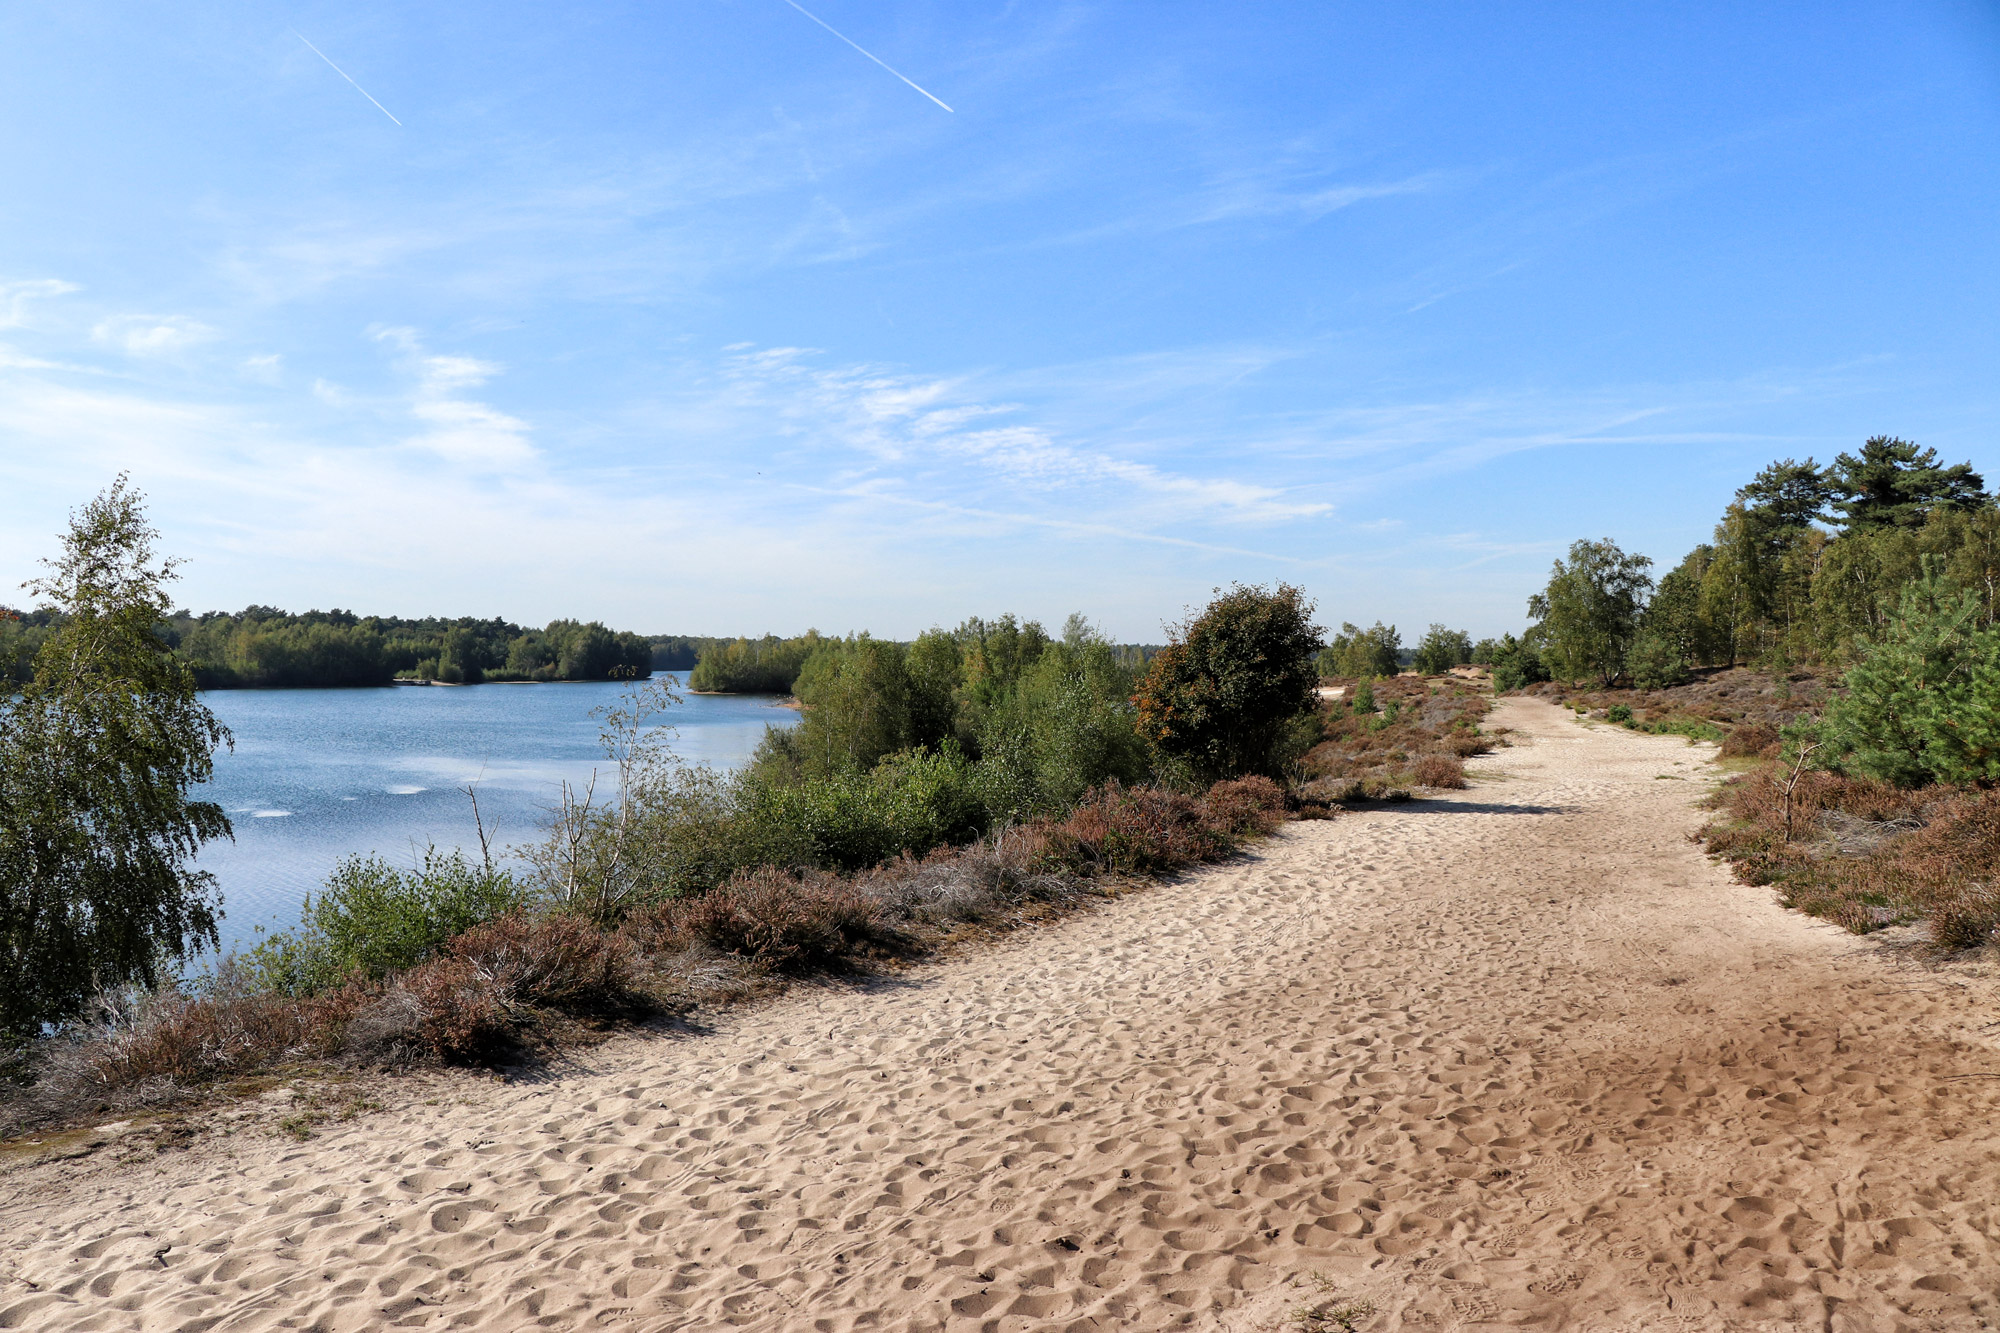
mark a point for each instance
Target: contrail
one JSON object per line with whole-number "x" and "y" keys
{"x": 385, "y": 110}
{"x": 809, "y": 14}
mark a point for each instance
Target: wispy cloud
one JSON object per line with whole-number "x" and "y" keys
{"x": 265, "y": 368}
{"x": 1274, "y": 195}
{"x": 915, "y": 434}
{"x": 456, "y": 427}
{"x": 152, "y": 335}
{"x": 17, "y": 298}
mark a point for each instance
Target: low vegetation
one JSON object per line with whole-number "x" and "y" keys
{"x": 1741, "y": 708}
{"x": 1880, "y": 810}
{"x": 533, "y": 973}
{"x": 1382, "y": 738}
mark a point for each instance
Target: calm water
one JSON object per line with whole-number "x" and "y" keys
{"x": 319, "y": 774}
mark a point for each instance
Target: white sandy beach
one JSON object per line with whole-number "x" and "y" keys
{"x": 1519, "y": 1057}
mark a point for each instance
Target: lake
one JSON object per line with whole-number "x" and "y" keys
{"x": 317, "y": 775}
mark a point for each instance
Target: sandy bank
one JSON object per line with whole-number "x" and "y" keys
{"x": 1519, "y": 1057}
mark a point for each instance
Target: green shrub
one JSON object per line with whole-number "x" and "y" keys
{"x": 1655, "y": 663}
{"x": 1219, "y": 696}
{"x": 1621, "y": 714}
{"x": 102, "y": 757}
{"x": 912, "y": 802}
{"x": 1923, "y": 703}
{"x": 1694, "y": 728}
{"x": 1065, "y": 727}
{"x": 372, "y": 918}
{"x": 1517, "y": 664}
{"x": 1363, "y": 700}
{"x": 1590, "y": 609}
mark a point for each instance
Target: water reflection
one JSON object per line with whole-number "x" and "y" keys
{"x": 319, "y": 774}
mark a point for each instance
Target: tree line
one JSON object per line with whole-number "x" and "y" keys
{"x": 266, "y": 646}
{"x": 772, "y": 665}
{"x": 1808, "y": 567}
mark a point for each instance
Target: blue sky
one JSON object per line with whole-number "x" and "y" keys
{"x": 686, "y": 316}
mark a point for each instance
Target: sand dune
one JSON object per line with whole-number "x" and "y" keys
{"x": 1519, "y": 1057}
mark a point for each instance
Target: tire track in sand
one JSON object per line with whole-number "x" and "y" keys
{"x": 1518, "y": 1057}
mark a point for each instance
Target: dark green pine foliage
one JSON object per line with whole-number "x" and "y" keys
{"x": 1894, "y": 484}
{"x": 1788, "y": 494}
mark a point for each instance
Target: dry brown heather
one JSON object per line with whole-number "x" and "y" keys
{"x": 1425, "y": 730}
{"x": 1867, "y": 855}
{"x": 1745, "y": 706}
{"x": 1518, "y": 1056}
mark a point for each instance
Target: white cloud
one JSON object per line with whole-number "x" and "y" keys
{"x": 919, "y": 437}
{"x": 16, "y": 297}
{"x": 151, "y": 335}
{"x": 459, "y": 429}
{"x": 265, "y": 369}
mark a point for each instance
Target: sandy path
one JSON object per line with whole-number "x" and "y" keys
{"x": 1521, "y": 1057}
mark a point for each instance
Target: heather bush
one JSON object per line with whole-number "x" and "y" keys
{"x": 555, "y": 960}
{"x": 449, "y": 1009}
{"x": 780, "y": 921}
{"x": 1864, "y": 853}
{"x": 1140, "y": 830}
{"x": 1949, "y": 871}
{"x": 187, "y": 1039}
{"x": 1465, "y": 746}
{"x": 1369, "y": 756}
{"x": 1246, "y": 805}
{"x": 1749, "y": 740}
{"x": 1439, "y": 770}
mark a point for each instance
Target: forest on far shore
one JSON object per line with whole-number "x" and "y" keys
{"x": 264, "y": 646}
